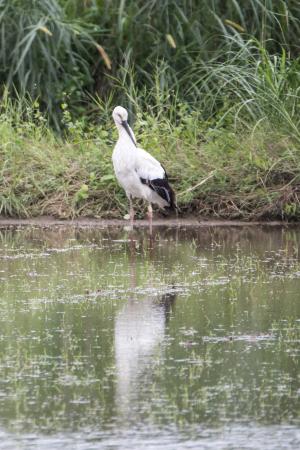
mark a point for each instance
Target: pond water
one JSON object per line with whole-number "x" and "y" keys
{"x": 189, "y": 342}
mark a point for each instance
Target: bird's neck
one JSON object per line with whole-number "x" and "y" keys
{"x": 124, "y": 137}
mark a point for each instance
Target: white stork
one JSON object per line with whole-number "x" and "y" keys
{"x": 139, "y": 174}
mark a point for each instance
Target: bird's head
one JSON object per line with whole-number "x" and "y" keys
{"x": 120, "y": 116}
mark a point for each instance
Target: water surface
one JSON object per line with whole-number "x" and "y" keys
{"x": 189, "y": 342}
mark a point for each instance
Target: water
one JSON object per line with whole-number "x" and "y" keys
{"x": 189, "y": 343}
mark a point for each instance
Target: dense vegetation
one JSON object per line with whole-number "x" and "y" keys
{"x": 213, "y": 87}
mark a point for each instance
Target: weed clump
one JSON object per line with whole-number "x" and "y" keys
{"x": 226, "y": 173}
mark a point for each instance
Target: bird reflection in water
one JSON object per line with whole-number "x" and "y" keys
{"x": 139, "y": 333}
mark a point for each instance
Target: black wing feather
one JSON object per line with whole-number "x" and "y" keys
{"x": 162, "y": 188}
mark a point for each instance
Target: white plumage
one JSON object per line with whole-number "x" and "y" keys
{"x": 139, "y": 173}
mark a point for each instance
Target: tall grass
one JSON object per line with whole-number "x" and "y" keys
{"x": 43, "y": 54}
{"x": 212, "y": 54}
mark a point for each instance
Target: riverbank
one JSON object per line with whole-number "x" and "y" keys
{"x": 229, "y": 174}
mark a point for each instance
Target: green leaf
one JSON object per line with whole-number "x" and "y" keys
{"x": 107, "y": 177}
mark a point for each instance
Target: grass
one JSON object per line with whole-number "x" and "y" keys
{"x": 210, "y": 54}
{"x": 216, "y": 170}
{"x": 212, "y": 88}
{"x": 44, "y": 54}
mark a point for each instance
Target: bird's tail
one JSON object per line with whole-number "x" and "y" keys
{"x": 172, "y": 203}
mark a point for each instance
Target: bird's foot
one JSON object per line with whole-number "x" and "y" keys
{"x": 128, "y": 228}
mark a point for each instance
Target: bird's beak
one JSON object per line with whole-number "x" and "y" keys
{"x": 126, "y": 126}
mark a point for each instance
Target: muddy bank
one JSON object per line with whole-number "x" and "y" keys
{"x": 192, "y": 222}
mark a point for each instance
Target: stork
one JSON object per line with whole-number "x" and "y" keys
{"x": 139, "y": 173}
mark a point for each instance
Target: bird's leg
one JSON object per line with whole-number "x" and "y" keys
{"x": 150, "y": 216}
{"x": 131, "y": 212}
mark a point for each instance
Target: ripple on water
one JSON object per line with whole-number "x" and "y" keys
{"x": 192, "y": 342}
{"x": 234, "y": 437}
